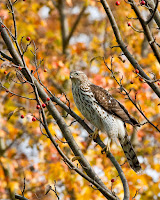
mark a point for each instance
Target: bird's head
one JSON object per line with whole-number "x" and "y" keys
{"x": 78, "y": 77}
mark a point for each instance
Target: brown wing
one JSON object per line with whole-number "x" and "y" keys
{"x": 111, "y": 105}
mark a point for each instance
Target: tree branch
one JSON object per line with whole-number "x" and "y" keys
{"x": 121, "y": 174}
{"x": 17, "y": 196}
{"x": 39, "y": 92}
{"x": 5, "y": 56}
{"x": 133, "y": 102}
{"x": 56, "y": 115}
{"x": 154, "y": 11}
{"x": 75, "y": 25}
{"x": 66, "y": 35}
{"x": 103, "y": 190}
{"x": 124, "y": 47}
{"x": 97, "y": 140}
{"x": 63, "y": 23}
{"x": 146, "y": 29}
{"x": 15, "y": 56}
{"x": 157, "y": 14}
{"x": 68, "y": 136}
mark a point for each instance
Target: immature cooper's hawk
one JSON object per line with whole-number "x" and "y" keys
{"x": 105, "y": 113}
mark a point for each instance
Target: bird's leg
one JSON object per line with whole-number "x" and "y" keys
{"x": 107, "y": 147}
{"x": 94, "y": 134}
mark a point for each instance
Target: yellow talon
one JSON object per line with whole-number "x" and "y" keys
{"x": 107, "y": 148}
{"x": 94, "y": 134}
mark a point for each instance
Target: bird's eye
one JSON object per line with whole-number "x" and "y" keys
{"x": 76, "y": 73}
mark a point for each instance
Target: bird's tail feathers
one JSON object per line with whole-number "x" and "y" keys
{"x": 130, "y": 154}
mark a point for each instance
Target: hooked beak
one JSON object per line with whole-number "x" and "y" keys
{"x": 71, "y": 76}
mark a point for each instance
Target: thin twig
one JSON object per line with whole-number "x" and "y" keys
{"x": 24, "y": 187}
{"x": 124, "y": 47}
{"x": 139, "y": 31}
{"x": 151, "y": 3}
{"x": 60, "y": 140}
{"x": 14, "y": 20}
{"x": 146, "y": 30}
{"x": 55, "y": 190}
{"x": 15, "y": 93}
{"x": 127, "y": 93}
{"x": 154, "y": 11}
{"x": 135, "y": 194}
{"x": 75, "y": 25}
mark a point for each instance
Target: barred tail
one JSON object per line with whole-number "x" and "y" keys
{"x": 130, "y": 154}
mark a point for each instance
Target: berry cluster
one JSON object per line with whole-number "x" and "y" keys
{"x": 38, "y": 107}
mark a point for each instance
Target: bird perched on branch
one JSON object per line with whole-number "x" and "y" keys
{"x": 105, "y": 113}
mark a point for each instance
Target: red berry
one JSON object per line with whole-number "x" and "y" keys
{"x": 43, "y": 105}
{"x": 28, "y": 38}
{"x": 45, "y": 70}
{"x": 112, "y": 180}
{"x": 143, "y": 2}
{"x": 129, "y": 24}
{"x": 141, "y": 79}
{"x": 2, "y": 26}
{"x": 5, "y": 72}
{"x": 22, "y": 116}
{"x": 20, "y": 68}
{"x": 48, "y": 98}
{"x": 137, "y": 71}
{"x": 131, "y": 82}
{"x": 117, "y": 3}
{"x": 38, "y": 106}
{"x": 158, "y": 83}
{"x": 33, "y": 119}
{"x": 7, "y": 90}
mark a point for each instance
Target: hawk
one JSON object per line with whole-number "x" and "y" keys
{"x": 105, "y": 113}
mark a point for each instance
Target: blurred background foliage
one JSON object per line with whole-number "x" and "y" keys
{"x": 24, "y": 151}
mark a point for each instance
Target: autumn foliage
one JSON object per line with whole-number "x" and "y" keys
{"x": 56, "y": 37}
